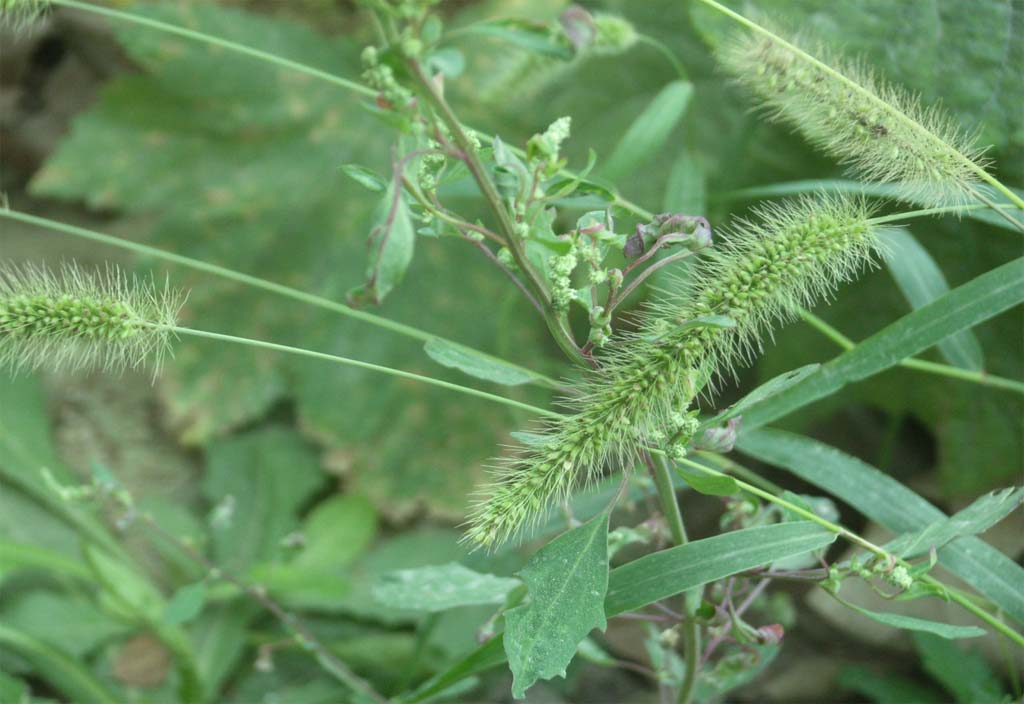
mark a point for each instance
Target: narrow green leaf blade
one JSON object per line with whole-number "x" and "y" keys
{"x": 888, "y": 502}
{"x": 686, "y": 191}
{"x": 649, "y": 132}
{"x": 921, "y": 281}
{"x": 963, "y": 307}
{"x": 185, "y": 604}
{"x": 708, "y": 484}
{"x": 567, "y": 580}
{"x": 669, "y": 572}
{"x": 490, "y": 654}
{"x": 965, "y": 674}
{"x": 981, "y": 515}
{"x": 441, "y": 587}
{"x": 910, "y": 623}
{"x": 475, "y": 364}
{"x": 64, "y": 672}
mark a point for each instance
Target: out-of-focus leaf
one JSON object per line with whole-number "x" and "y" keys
{"x": 132, "y": 592}
{"x": 965, "y": 306}
{"x": 185, "y": 604}
{"x": 220, "y": 640}
{"x": 649, "y": 132}
{"x": 532, "y": 36}
{"x": 58, "y": 668}
{"x": 686, "y": 191}
{"x": 566, "y": 581}
{"x": 885, "y": 689}
{"x": 475, "y": 364}
{"x": 965, "y": 674}
{"x": 981, "y": 515}
{"x": 27, "y": 556}
{"x": 441, "y": 587}
{"x": 928, "y": 48}
{"x": 709, "y": 484}
{"x": 13, "y": 690}
{"x": 888, "y": 502}
{"x": 65, "y": 621}
{"x": 270, "y": 474}
{"x": 921, "y": 282}
{"x": 391, "y": 246}
{"x": 490, "y": 654}
{"x": 337, "y": 531}
{"x": 911, "y": 623}
{"x": 365, "y": 177}
{"x": 669, "y": 572}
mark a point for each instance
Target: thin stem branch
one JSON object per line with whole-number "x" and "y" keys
{"x": 852, "y": 537}
{"x": 324, "y": 655}
{"x": 256, "y": 282}
{"x": 944, "y": 210}
{"x": 677, "y": 65}
{"x": 662, "y": 476}
{"x": 489, "y": 191}
{"x": 261, "y": 344}
{"x": 945, "y": 370}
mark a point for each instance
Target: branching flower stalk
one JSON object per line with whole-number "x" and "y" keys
{"x": 877, "y": 129}
{"x": 788, "y": 256}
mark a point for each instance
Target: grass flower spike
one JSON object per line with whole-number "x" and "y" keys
{"x": 878, "y": 130}
{"x": 789, "y": 256}
{"x": 74, "y": 319}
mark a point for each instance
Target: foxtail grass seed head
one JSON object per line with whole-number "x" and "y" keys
{"x": 786, "y": 257}
{"x": 21, "y": 15}
{"x": 74, "y": 319}
{"x": 880, "y": 131}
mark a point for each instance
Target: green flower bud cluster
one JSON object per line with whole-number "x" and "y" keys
{"x": 790, "y": 256}
{"x": 562, "y": 291}
{"x": 381, "y": 78}
{"x": 612, "y": 34}
{"x": 877, "y": 129}
{"x": 75, "y": 319}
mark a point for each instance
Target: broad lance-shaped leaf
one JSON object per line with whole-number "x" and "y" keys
{"x": 391, "y": 246}
{"x": 649, "y": 132}
{"x": 476, "y": 364}
{"x": 888, "y": 502}
{"x": 910, "y": 623}
{"x": 965, "y": 674}
{"x": 566, "y": 581}
{"x": 921, "y": 282}
{"x": 441, "y": 587}
{"x": 976, "y": 518}
{"x": 962, "y": 308}
{"x": 669, "y": 572}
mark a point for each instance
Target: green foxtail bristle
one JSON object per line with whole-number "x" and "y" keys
{"x": 878, "y": 130}
{"x": 789, "y": 256}
{"x": 18, "y": 15}
{"x": 73, "y": 319}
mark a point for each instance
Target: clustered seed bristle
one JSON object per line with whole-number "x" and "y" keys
{"x": 878, "y": 130}
{"x": 789, "y": 256}
{"x": 75, "y": 319}
{"x": 17, "y": 15}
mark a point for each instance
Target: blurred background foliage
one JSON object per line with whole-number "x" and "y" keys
{"x": 212, "y": 155}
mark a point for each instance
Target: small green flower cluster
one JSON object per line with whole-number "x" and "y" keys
{"x": 80, "y": 320}
{"x": 877, "y": 129}
{"x": 792, "y": 255}
{"x": 381, "y": 78}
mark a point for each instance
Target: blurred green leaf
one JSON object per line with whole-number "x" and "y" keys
{"x": 185, "y": 604}
{"x": 669, "y": 572}
{"x": 337, "y": 531}
{"x": 270, "y": 475}
{"x": 60, "y": 669}
{"x": 885, "y": 689}
{"x": 566, "y": 581}
{"x": 765, "y": 391}
{"x": 132, "y": 592}
{"x": 649, "y": 132}
{"x": 441, "y": 587}
{"x": 965, "y": 674}
{"x": 890, "y": 503}
{"x": 686, "y": 190}
{"x": 921, "y": 282}
{"x": 533, "y": 36}
{"x": 67, "y": 621}
{"x": 13, "y": 690}
{"x": 711, "y": 485}
{"x": 365, "y": 177}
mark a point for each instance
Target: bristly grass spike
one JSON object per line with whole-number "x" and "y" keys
{"x": 76, "y": 319}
